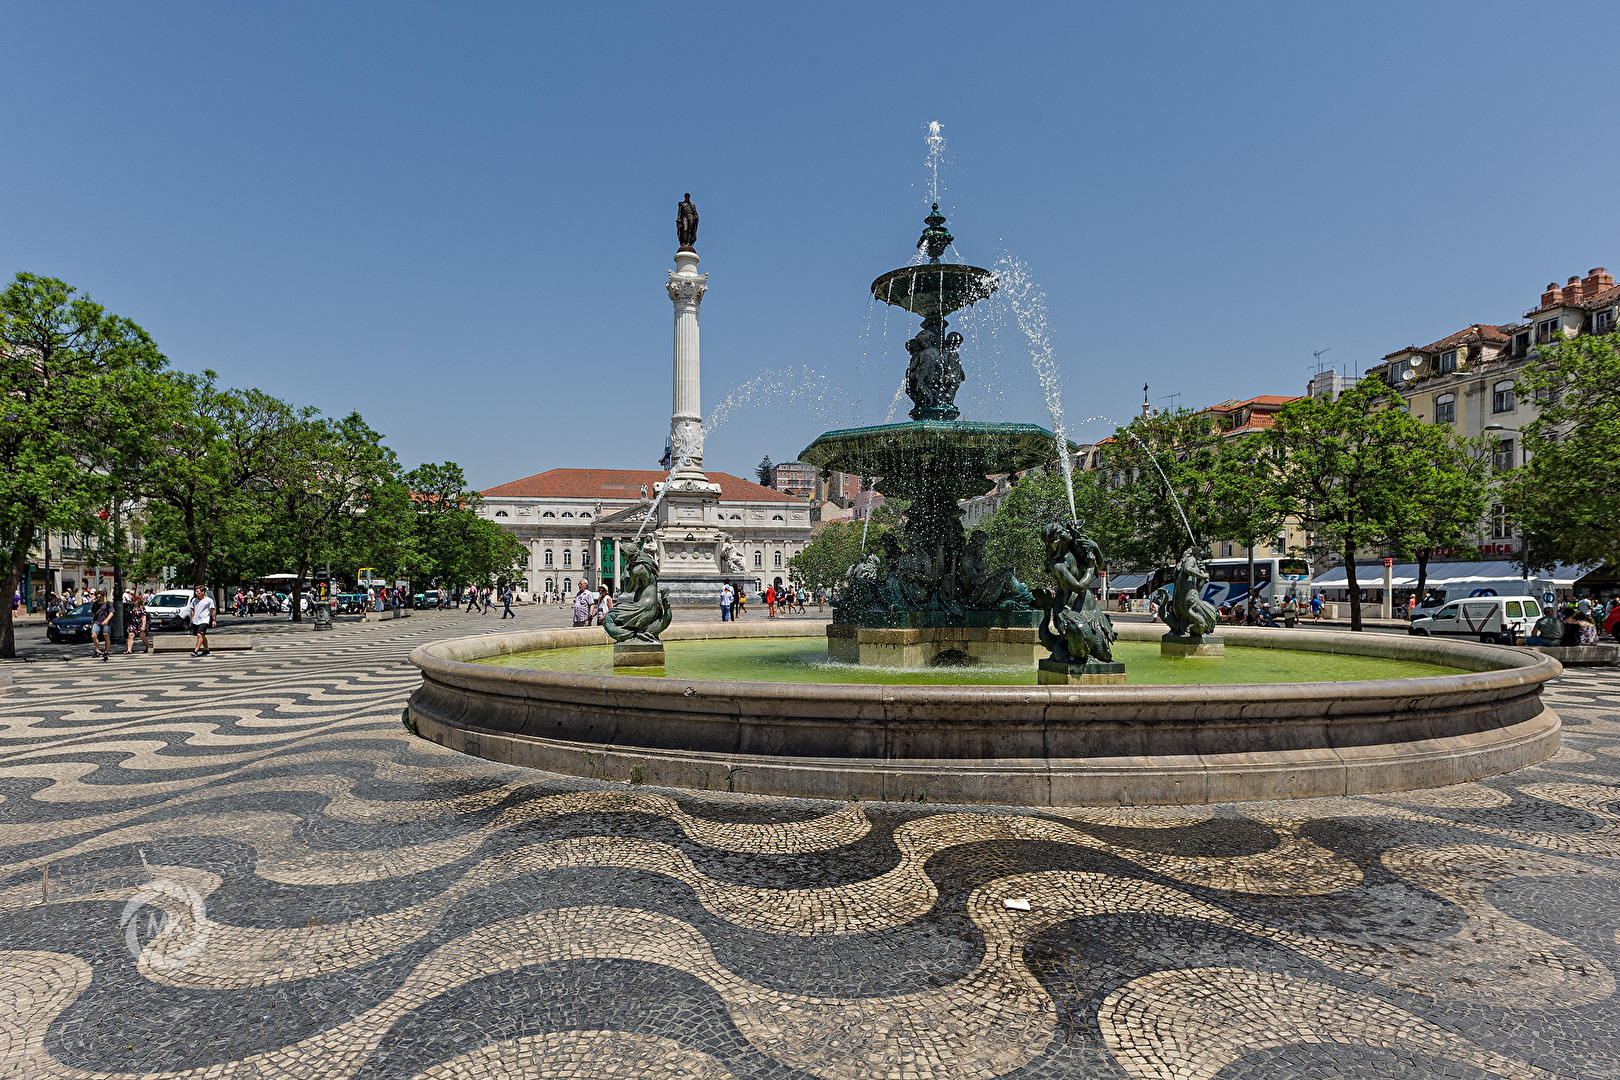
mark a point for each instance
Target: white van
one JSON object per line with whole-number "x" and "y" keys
{"x": 1495, "y": 620}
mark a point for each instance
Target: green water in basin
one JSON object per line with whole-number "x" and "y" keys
{"x": 805, "y": 660}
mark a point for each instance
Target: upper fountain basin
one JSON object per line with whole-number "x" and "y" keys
{"x": 947, "y": 454}
{"x": 934, "y": 288}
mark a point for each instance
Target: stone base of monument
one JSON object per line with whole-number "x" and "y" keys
{"x": 703, "y": 590}
{"x": 1192, "y": 645}
{"x": 638, "y": 654}
{"x": 929, "y": 646}
{"x": 1090, "y": 673}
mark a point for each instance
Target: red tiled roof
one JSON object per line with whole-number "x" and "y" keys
{"x": 1479, "y": 333}
{"x": 1263, "y": 399}
{"x": 623, "y": 484}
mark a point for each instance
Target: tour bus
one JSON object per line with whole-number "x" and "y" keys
{"x": 368, "y": 577}
{"x": 1274, "y": 578}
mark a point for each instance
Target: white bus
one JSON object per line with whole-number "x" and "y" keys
{"x": 1274, "y": 579}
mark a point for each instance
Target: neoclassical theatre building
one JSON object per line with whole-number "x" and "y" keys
{"x": 577, "y": 523}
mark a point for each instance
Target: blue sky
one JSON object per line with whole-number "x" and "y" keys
{"x": 457, "y": 218}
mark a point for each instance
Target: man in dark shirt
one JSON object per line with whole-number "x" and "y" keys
{"x": 101, "y": 627}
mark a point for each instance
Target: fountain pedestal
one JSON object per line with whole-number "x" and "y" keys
{"x": 638, "y": 654}
{"x": 1090, "y": 673}
{"x": 1189, "y": 645}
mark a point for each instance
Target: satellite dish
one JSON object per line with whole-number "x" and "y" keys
{"x": 1417, "y": 361}
{"x": 1408, "y": 375}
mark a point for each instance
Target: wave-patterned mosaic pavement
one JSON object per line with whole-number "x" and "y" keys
{"x": 245, "y": 867}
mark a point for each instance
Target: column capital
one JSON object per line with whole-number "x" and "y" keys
{"x": 687, "y": 288}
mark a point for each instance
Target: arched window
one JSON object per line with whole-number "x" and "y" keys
{"x": 759, "y": 561}
{"x": 500, "y": 513}
{"x": 548, "y": 513}
{"x": 776, "y": 517}
{"x": 1445, "y": 409}
{"x": 568, "y": 513}
{"x": 736, "y": 517}
{"x": 778, "y": 560}
{"x": 1502, "y": 397}
{"x": 568, "y": 585}
{"x": 551, "y": 585}
{"x": 548, "y": 556}
{"x": 583, "y": 514}
{"x": 568, "y": 557}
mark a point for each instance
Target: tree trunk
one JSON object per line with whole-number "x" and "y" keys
{"x": 1354, "y": 589}
{"x": 8, "y": 631}
{"x": 1423, "y": 570}
{"x": 118, "y": 577}
{"x": 1251, "y": 617}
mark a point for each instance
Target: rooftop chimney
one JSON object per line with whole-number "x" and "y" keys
{"x": 1572, "y": 289}
{"x": 1550, "y": 297}
{"x": 1597, "y": 279}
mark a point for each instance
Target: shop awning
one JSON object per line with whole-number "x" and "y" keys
{"x": 1126, "y": 582}
{"x": 1370, "y": 575}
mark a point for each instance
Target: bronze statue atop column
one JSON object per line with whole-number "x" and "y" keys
{"x": 686, "y": 222}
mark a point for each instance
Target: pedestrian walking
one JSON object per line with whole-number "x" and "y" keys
{"x": 201, "y": 615}
{"x": 604, "y": 604}
{"x": 1316, "y": 607}
{"x": 140, "y": 621}
{"x": 506, "y": 598}
{"x": 726, "y": 597}
{"x": 584, "y": 605}
{"x": 101, "y": 626}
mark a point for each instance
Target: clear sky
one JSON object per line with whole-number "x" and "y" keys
{"x": 457, "y": 218}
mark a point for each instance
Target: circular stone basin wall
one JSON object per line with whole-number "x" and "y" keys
{"x": 1023, "y": 745}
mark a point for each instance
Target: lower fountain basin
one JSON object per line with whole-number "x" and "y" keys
{"x": 1008, "y": 744}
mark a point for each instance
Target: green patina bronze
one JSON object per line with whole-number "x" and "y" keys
{"x": 642, "y": 611}
{"x": 934, "y": 574}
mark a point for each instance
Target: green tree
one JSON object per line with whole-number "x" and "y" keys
{"x": 763, "y": 470}
{"x": 1013, "y": 532}
{"x": 1566, "y": 494}
{"x": 330, "y": 473}
{"x": 1444, "y": 501}
{"x": 1161, "y": 469}
{"x": 446, "y": 509}
{"x": 839, "y": 545}
{"x": 1349, "y": 469}
{"x": 70, "y": 375}
{"x": 1247, "y": 502}
{"x": 221, "y": 448}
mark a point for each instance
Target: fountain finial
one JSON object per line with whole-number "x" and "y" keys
{"x": 936, "y": 238}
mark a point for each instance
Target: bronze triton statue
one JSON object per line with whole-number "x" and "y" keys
{"x": 686, "y": 220}
{"x": 1189, "y": 616}
{"x": 641, "y": 611}
{"x": 1075, "y": 629}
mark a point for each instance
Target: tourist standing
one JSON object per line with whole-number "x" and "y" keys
{"x": 770, "y": 601}
{"x": 1290, "y": 611}
{"x": 584, "y": 605}
{"x": 725, "y": 602}
{"x": 101, "y": 626}
{"x": 604, "y": 603}
{"x": 201, "y": 614}
{"x": 139, "y": 624}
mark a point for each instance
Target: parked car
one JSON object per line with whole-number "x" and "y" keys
{"x": 168, "y": 609}
{"x": 1494, "y": 620}
{"x": 428, "y": 599}
{"x": 74, "y": 625}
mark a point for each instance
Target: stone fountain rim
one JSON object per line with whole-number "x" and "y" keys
{"x": 1490, "y": 670}
{"x": 1004, "y": 745}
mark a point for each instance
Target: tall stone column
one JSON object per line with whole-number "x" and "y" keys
{"x": 686, "y": 288}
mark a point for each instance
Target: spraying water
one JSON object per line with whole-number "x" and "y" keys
{"x": 1155, "y": 461}
{"x": 1028, "y": 303}
{"x": 936, "y": 153}
{"x": 805, "y": 385}
{"x": 888, "y": 417}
